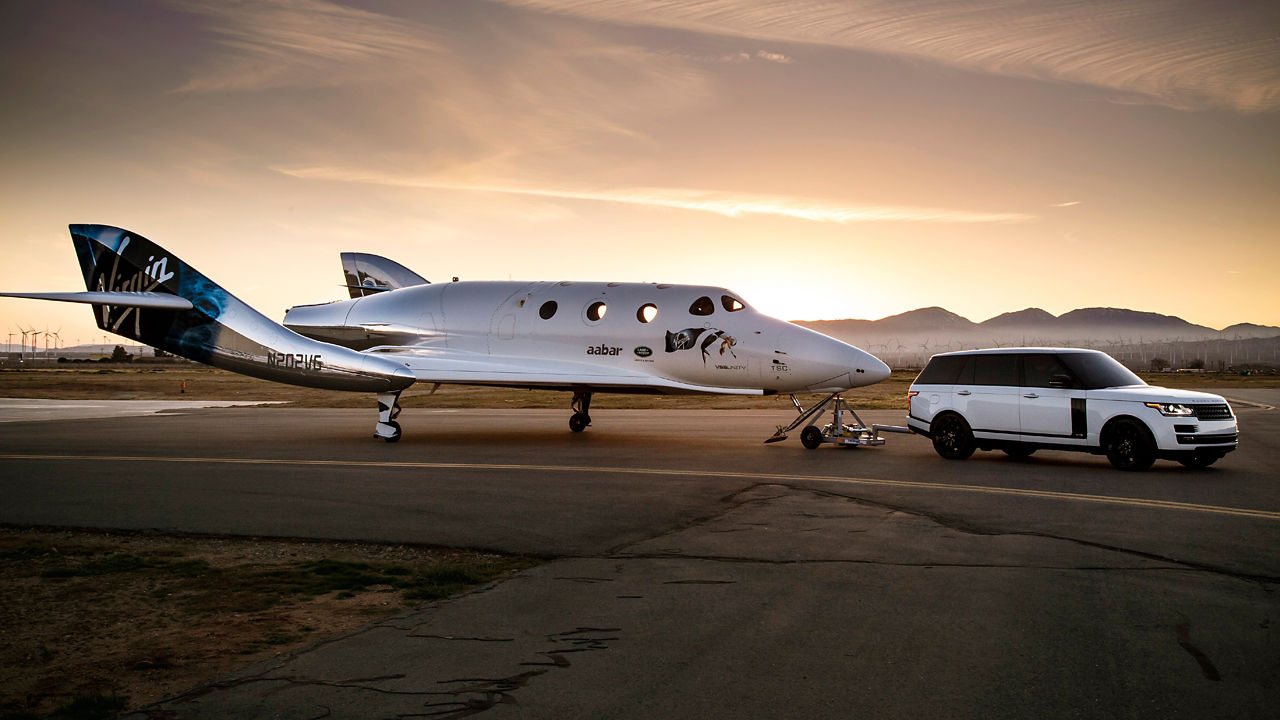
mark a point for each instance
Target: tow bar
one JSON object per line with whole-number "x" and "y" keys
{"x": 837, "y": 431}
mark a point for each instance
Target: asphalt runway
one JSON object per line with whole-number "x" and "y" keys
{"x": 697, "y": 572}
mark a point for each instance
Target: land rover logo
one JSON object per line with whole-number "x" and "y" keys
{"x": 643, "y": 351}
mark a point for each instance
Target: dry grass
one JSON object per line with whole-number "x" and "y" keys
{"x": 121, "y": 620}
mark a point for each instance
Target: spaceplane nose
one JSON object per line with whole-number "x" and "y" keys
{"x": 863, "y": 367}
{"x": 874, "y": 369}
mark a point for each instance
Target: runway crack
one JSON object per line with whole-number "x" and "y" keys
{"x": 1206, "y": 665}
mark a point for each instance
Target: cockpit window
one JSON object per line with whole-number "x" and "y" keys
{"x": 732, "y": 304}
{"x": 702, "y": 306}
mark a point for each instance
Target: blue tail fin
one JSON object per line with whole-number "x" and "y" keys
{"x": 116, "y": 260}
{"x": 218, "y": 329}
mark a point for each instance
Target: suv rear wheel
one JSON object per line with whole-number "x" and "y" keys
{"x": 1129, "y": 445}
{"x": 952, "y": 438}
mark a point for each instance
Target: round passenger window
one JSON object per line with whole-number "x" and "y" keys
{"x": 647, "y": 313}
{"x": 547, "y": 310}
{"x": 732, "y": 304}
{"x": 596, "y": 310}
{"x": 702, "y": 306}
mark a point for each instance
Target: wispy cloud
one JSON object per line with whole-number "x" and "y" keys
{"x": 274, "y": 43}
{"x": 712, "y": 201}
{"x": 1184, "y": 55}
{"x": 773, "y": 57}
{"x": 1071, "y": 203}
{"x": 450, "y": 89}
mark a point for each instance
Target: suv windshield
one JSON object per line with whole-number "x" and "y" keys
{"x": 1096, "y": 370}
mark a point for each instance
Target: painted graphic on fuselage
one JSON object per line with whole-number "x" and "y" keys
{"x": 687, "y": 338}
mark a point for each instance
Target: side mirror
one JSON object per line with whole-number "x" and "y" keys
{"x": 1060, "y": 381}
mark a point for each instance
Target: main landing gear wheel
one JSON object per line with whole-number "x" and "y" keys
{"x": 1130, "y": 446}
{"x": 952, "y": 438}
{"x": 811, "y": 437}
{"x": 388, "y": 410}
{"x": 581, "y": 407}
{"x": 389, "y": 431}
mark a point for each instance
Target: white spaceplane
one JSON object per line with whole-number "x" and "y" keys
{"x": 397, "y": 329}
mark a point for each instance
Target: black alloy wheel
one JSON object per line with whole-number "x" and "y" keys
{"x": 1129, "y": 446}
{"x": 952, "y": 438}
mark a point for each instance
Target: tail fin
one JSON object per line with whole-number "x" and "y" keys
{"x": 217, "y": 328}
{"x": 368, "y": 274}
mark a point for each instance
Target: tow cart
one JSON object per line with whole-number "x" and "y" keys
{"x": 839, "y": 431}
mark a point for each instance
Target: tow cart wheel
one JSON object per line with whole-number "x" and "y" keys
{"x": 811, "y": 437}
{"x": 578, "y": 422}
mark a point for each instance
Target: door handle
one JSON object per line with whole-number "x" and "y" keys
{"x": 964, "y": 392}
{"x": 1031, "y": 395}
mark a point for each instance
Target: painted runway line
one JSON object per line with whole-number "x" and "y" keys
{"x": 756, "y": 477}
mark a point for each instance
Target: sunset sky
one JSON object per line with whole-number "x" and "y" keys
{"x": 826, "y": 160}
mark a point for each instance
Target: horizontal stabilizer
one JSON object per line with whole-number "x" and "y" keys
{"x": 123, "y": 299}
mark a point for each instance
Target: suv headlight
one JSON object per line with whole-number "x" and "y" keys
{"x": 1171, "y": 409}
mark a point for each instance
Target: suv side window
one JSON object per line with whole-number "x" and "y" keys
{"x": 1037, "y": 370}
{"x": 941, "y": 370}
{"x": 995, "y": 370}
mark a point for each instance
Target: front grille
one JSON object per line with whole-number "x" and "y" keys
{"x": 1216, "y": 411}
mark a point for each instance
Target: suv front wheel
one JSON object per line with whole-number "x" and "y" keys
{"x": 1129, "y": 445}
{"x": 952, "y": 438}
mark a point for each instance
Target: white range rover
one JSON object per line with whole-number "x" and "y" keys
{"x": 1020, "y": 400}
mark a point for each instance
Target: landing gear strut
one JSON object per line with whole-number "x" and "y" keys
{"x": 388, "y": 410}
{"x": 581, "y": 407}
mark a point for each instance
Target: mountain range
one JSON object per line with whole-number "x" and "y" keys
{"x": 934, "y": 329}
